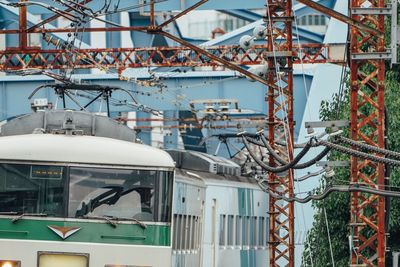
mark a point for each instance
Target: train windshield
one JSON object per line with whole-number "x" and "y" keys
{"x": 85, "y": 192}
{"x": 121, "y": 193}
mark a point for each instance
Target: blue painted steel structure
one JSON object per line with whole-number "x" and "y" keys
{"x": 185, "y": 86}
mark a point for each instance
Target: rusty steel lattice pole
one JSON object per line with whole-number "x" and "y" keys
{"x": 23, "y": 36}
{"x": 367, "y": 125}
{"x": 280, "y": 121}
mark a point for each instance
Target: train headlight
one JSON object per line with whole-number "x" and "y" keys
{"x": 51, "y": 259}
{"x": 10, "y": 264}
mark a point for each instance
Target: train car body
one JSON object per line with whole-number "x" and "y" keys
{"x": 80, "y": 193}
{"x": 83, "y": 201}
{"x": 220, "y": 217}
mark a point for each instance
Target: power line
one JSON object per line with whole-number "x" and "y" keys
{"x": 329, "y": 190}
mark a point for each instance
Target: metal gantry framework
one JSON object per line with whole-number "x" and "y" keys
{"x": 122, "y": 58}
{"x": 367, "y": 125}
{"x": 367, "y": 65}
{"x": 280, "y": 126}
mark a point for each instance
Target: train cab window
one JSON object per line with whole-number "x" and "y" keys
{"x": 128, "y": 194}
{"x": 33, "y": 189}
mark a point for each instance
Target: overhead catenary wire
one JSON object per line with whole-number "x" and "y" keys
{"x": 334, "y": 146}
{"x": 297, "y": 165}
{"x": 369, "y": 148}
{"x": 282, "y": 168}
{"x": 358, "y": 154}
{"x": 271, "y": 150}
{"x": 277, "y": 142}
{"x": 327, "y": 191}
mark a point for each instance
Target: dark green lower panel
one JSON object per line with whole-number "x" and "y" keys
{"x": 91, "y": 232}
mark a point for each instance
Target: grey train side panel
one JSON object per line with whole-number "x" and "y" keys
{"x": 231, "y": 210}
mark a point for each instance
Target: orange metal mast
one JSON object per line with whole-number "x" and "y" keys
{"x": 280, "y": 121}
{"x": 367, "y": 125}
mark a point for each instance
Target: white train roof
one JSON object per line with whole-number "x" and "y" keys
{"x": 198, "y": 161}
{"x": 81, "y": 149}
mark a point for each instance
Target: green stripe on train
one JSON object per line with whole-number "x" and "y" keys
{"x": 133, "y": 234}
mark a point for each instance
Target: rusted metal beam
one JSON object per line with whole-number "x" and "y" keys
{"x": 23, "y": 36}
{"x": 152, "y": 16}
{"x": 99, "y": 29}
{"x": 343, "y": 18}
{"x": 213, "y": 57}
{"x": 15, "y": 59}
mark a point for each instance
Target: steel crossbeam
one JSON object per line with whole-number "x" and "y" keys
{"x": 121, "y": 58}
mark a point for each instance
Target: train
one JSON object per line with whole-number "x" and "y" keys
{"x": 77, "y": 190}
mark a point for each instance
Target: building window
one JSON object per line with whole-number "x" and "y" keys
{"x": 303, "y": 20}
{"x": 312, "y": 20}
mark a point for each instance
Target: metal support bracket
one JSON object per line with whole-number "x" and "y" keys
{"x": 326, "y": 124}
{"x": 394, "y": 32}
{"x": 373, "y": 55}
{"x": 373, "y": 11}
{"x": 332, "y": 164}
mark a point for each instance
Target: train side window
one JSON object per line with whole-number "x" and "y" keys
{"x": 245, "y": 231}
{"x": 185, "y": 232}
{"x": 175, "y": 233}
{"x": 190, "y": 232}
{"x": 222, "y": 230}
{"x": 179, "y": 232}
{"x": 261, "y": 231}
{"x": 266, "y": 232}
{"x": 194, "y": 233}
{"x": 253, "y": 231}
{"x": 199, "y": 232}
{"x": 231, "y": 231}
{"x": 238, "y": 233}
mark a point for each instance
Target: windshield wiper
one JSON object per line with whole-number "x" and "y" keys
{"x": 8, "y": 213}
{"x": 140, "y": 223}
{"x": 109, "y": 220}
{"x": 113, "y": 221}
{"x": 28, "y": 214}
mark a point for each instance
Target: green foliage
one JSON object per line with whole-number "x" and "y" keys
{"x": 337, "y": 205}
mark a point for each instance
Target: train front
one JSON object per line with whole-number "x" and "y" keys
{"x": 70, "y": 200}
